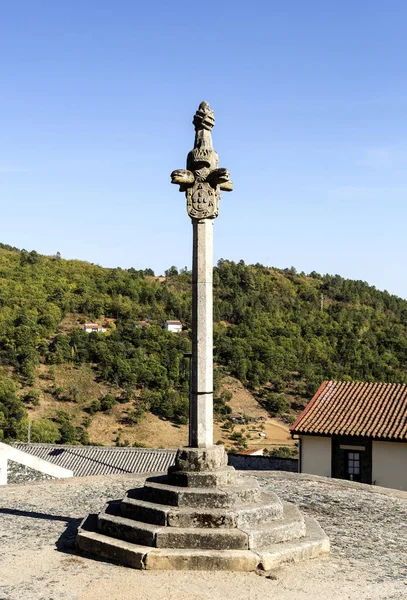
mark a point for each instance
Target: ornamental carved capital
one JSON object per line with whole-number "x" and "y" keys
{"x": 203, "y": 180}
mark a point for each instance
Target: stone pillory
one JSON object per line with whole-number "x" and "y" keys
{"x": 202, "y": 515}
{"x": 202, "y": 182}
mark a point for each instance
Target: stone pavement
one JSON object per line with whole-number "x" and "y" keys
{"x": 366, "y": 526}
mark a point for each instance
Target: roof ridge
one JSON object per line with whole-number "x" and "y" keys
{"x": 353, "y": 408}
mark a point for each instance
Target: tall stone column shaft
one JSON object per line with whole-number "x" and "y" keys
{"x": 201, "y": 402}
{"x": 202, "y": 182}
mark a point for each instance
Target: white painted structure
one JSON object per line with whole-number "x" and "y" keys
{"x": 389, "y": 464}
{"x": 94, "y": 328}
{"x": 315, "y": 455}
{"x": 174, "y": 326}
{"x": 28, "y": 460}
{"x": 389, "y": 460}
{"x": 355, "y": 430}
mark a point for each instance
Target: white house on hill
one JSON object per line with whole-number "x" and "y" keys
{"x": 174, "y": 326}
{"x": 94, "y": 328}
{"x": 356, "y": 431}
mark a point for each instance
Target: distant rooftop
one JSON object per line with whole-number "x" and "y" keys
{"x": 102, "y": 460}
{"x": 251, "y": 451}
{"x": 375, "y": 410}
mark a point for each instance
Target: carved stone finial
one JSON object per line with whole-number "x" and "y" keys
{"x": 202, "y": 180}
{"x": 204, "y": 117}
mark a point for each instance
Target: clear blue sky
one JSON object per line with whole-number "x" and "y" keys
{"x": 96, "y": 104}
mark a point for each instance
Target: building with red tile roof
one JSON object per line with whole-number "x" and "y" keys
{"x": 355, "y": 430}
{"x": 251, "y": 452}
{"x": 174, "y": 326}
{"x": 94, "y": 328}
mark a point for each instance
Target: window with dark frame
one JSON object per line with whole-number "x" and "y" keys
{"x": 353, "y": 464}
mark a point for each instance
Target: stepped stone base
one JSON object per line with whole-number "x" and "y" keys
{"x": 201, "y": 519}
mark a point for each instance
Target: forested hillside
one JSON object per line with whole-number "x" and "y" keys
{"x": 271, "y": 332}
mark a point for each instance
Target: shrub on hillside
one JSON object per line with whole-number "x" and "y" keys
{"x": 284, "y": 452}
{"x": 275, "y": 403}
{"x": 12, "y": 410}
{"x": 32, "y": 396}
{"x": 107, "y": 402}
{"x": 45, "y": 431}
{"x": 94, "y": 407}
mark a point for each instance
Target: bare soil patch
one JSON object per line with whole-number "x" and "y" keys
{"x": 153, "y": 432}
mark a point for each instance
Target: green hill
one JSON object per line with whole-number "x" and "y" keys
{"x": 271, "y": 332}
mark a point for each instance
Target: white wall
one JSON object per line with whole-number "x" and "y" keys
{"x": 174, "y": 328}
{"x": 389, "y": 464}
{"x": 316, "y": 455}
{"x": 24, "y": 458}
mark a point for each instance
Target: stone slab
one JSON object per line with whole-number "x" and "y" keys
{"x": 127, "y": 529}
{"x": 201, "y": 539}
{"x": 290, "y": 527}
{"x": 90, "y": 541}
{"x": 204, "y": 517}
{"x": 253, "y": 515}
{"x": 226, "y": 497}
{"x": 313, "y": 544}
{"x": 202, "y": 560}
{"x": 148, "y": 512}
{"x": 210, "y": 458}
{"x": 202, "y": 479}
{"x": 267, "y": 509}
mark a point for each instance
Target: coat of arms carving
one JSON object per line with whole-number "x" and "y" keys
{"x": 202, "y": 180}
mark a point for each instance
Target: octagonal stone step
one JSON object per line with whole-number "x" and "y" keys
{"x": 201, "y": 560}
{"x": 313, "y": 544}
{"x": 141, "y": 510}
{"x": 96, "y": 544}
{"x": 202, "y": 479}
{"x": 268, "y": 509}
{"x": 290, "y": 527}
{"x": 128, "y": 530}
{"x": 158, "y": 491}
{"x": 173, "y": 516}
{"x": 170, "y": 537}
{"x": 202, "y": 539}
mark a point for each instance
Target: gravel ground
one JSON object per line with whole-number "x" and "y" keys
{"x": 366, "y": 525}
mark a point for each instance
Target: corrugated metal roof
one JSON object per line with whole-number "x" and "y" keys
{"x": 102, "y": 460}
{"x": 376, "y": 410}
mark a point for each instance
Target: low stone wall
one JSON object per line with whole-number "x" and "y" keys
{"x": 20, "y": 474}
{"x": 246, "y": 462}
{"x": 17, "y": 473}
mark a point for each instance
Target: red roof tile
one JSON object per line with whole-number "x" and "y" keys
{"x": 250, "y": 451}
{"x": 376, "y": 410}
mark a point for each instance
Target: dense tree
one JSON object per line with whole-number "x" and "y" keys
{"x": 45, "y": 431}
{"x": 12, "y": 410}
{"x": 271, "y": 332}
